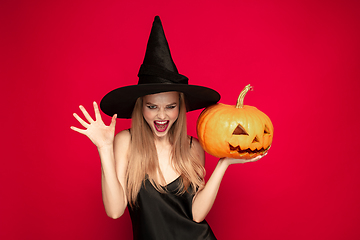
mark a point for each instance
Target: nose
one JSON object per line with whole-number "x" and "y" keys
{"x": 161, "y": 113}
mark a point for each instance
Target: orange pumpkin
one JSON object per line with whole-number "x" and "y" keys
{"x": 239, "y": 131}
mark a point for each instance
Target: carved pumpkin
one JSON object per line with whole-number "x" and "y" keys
{"x": 239, "y": 131}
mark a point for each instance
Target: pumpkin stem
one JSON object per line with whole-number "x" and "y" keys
{"x": 240, "y": 101}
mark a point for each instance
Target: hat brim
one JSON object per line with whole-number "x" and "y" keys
{"x": 122, "y": 100}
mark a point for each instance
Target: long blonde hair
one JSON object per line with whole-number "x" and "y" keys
{"x": 143, "y": 160}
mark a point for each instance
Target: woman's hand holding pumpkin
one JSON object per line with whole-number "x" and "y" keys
{"x": 100, "y": 134}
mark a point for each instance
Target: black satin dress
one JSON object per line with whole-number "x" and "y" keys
{"x": 166, "y": 216}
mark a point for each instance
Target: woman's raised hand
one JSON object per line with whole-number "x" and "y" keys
{"x": 100, "y": 134}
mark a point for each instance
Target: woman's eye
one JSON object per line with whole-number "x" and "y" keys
{"x": 171, "y": 107}
{"x": 151, "y": 106}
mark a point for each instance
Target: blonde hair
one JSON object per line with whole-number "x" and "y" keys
{"x": 143, "y": 160}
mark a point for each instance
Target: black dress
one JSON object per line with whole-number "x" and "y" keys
{"x": 166, "y": 216}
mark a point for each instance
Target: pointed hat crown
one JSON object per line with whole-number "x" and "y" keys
{"x": 157, "y": 74}
{"x": 158, "y": 65}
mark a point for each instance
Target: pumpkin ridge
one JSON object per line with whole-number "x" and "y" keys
{"x": 203, "y": 119}
{"x": 267, "y": 122}
{"x": 258, "y": 115}
{"x": 221, "y": 111}
{"x": 206, "y": 122}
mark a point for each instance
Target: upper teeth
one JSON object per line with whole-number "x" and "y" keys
{"x": 163, "y": 122}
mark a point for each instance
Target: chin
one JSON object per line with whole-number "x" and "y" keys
{"x": 160, "y": 134}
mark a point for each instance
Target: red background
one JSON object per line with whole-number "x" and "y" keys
{"x": 302, "y": 57}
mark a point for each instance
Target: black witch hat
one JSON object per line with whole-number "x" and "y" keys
{"x": 157, "y": 74}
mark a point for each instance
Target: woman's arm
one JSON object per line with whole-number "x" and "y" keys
{"x": 112, "y": 151}
{"x": 113, "y": 168}
{"x": 205, "y": 198}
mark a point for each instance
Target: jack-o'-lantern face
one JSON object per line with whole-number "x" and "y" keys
{"x": 251, "y": 143}
{"x": 227, "y": 131}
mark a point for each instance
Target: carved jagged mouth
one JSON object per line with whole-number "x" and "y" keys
{"x": 249, "y": 151}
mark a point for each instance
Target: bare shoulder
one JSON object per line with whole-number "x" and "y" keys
{"x": 123, "y": 136}
{"x": 198, "y": 150}
{"x": 121, "y": 144}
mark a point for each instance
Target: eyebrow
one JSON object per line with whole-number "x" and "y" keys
{"x": 149, "y": 103}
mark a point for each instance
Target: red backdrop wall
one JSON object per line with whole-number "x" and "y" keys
{"x": 302, "y": 57}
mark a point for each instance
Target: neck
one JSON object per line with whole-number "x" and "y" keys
{"x": 162, "y": 141}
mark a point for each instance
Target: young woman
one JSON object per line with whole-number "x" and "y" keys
{"x": 155, "y": 169}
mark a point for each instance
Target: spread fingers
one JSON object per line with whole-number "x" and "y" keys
{"x": 82, "y": 122}
{"x": 97, "y": 112}
{"x": 82, "y": 131}
{"x": 86, "y": 114}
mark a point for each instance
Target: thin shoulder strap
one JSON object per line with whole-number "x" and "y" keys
{"x": 191, "y": 138}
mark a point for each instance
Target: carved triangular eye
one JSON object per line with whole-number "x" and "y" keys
{"x": 239, "y": 130}
{"x": 256, "y": 139}
{"x": 266, "y": 130}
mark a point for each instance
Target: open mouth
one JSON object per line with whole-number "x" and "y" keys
{"x": 248, "y": 151}
{"x": 161, "y": 126}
